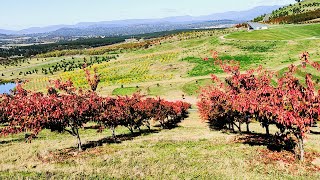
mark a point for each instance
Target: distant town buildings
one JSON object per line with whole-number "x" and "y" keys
{"x": 133, "y": 40}
{"x": 256, "y": 26}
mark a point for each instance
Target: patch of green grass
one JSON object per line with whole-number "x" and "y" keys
{"x": 163, "y": 89}
{"x": 214, "y": 41}
{"x": 203, "y": 67}
{"x": 125, "y": 91}
{"x": 245, "y": 60}
{"x": 265, "y": 46}
{"x": 287, "y": 32}
{"x": 192, "y": 43}
{"x": 289, "y": 60}
{"x": 193, "y": 87}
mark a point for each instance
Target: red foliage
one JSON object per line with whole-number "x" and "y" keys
{"x": 68, "y": 109}
{"x": 290, "y": 105}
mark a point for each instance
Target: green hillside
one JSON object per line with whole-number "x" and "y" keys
{"x": 175, "y": 69}
{"x": 307, "y": 11}
{"x": 287, "y": 32}
{"x": 301, "y": 7}
{"x": 167, "y": 67}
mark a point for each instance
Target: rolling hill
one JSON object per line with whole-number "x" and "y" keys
{"x": 173, "y": 69}
{"x": 285, "y": 32}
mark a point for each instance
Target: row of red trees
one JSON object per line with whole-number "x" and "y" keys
{"x": 262, "y": 96}
{"x": 65, "y": 108}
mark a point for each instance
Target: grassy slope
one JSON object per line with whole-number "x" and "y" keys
{"x": 303, "y": 37}
{"x": 288, "y": 32}
{"x": 190, "y": 151}
{"x": 290, "y": 8}
{"x": 193, "y": 87}
{"x": 125, "y": 91}
{"x": 178, "y": 60}
{"x": 187, "y": 152}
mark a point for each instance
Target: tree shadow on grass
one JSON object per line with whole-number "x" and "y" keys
{"x": 315, "y": 132}
{"x": 13, "y": 140}
{"x": 66, "y": 153}
{"x": 27, "y": 139}
{"x": 167, "y": 126}
{"x": 219, "y": 125}
{"x": 117, "y": 140}
{"x": 63, "y": 154}
{"x": 272, "y": 142}
{"x": 92, "y": 127}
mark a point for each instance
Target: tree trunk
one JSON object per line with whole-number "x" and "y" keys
{"x": 232, "y": 127}
{"x": 240, "y": 127}
{"x": 131, "y": 129}
{"x": 162, "y": 125}
{"x": 78, "y": 139}
{"x": 113, "y": 132}
{"x": 267, "y": 129}
{"x": 148, "y": 126}
{"x": 301, "y": 148}
{"x": 248, "y": 129}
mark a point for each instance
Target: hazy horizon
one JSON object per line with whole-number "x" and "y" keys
{"x": 19, "y": 14}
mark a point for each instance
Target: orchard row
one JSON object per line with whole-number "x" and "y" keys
{"x": 254, "y": 95}
{"x": 67, "y": 109}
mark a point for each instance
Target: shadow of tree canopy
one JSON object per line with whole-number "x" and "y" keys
{"x": 167, "y": 126}
{"x": 62, "y": 155}
{"x": 272, "y": 142}
{"x": 118, "y": 139}
{"x": 13, "y": 140}
{"x": 27, "y": 139}
{"x": 277, "y": 142}
{"x": 315, "y": 132}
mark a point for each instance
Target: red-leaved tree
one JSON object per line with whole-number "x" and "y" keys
{"x": 289, "y": 104}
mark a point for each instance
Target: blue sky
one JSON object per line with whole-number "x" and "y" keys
{"x": 18, "y": 14}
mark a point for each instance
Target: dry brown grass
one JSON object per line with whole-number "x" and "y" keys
{"x": 187, "y": 152}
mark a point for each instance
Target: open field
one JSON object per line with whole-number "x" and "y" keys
{"x": 286, "y": 32}
{"x": 177, "y": 60}
{"x": 173, "y": 69}
{"x": 186, "y": 152}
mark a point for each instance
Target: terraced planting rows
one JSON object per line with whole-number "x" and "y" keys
{"x": 177, "y": 60}
{"x": 128, "y": 72}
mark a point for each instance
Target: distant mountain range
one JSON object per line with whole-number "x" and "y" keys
{"x": 144, "y": 25}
